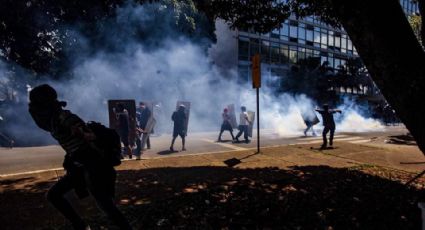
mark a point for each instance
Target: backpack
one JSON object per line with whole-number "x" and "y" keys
{"x": 107, "y": 142}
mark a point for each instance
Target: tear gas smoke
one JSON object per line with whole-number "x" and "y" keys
{"x": 177, "y": 69}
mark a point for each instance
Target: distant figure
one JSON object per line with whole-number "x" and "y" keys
{"x": 142, "y": 116}
{"x": 243, "y": 125}
{"x": 226, "y": 124}
{"x": 123, "y": 127}
{"x": 179, "y": 119}
{"x": 310, "y": 119}
{"x": 85, "y": 170}
{"x": 328, "y": 124}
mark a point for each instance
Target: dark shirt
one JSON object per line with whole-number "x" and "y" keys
{"x": 143, "y": 116}
{"x": 179, "y": 118}
{"x": 123, "y": 124}
{"x": 327, "y": 117}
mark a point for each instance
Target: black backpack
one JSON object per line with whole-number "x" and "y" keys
{"x": 107, "y": 142}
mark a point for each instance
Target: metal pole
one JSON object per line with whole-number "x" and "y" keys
{"x": 258, "y": 120}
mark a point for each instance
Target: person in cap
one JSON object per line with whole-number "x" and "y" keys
{"x": 328, "y": 124}
{"x": 85, "y": 172}
{"x": 179, "y": 119}
{"x": 226, "y": 125}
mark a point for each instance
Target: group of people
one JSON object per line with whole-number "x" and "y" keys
{"x": 243, "y": 127}
{"x": 85, "y": 174}
{"x": 143, "y": 117}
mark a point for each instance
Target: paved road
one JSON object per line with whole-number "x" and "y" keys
{"x": 21, "y": 160}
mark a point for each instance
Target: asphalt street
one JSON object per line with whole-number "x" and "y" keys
{"x": 33, "y": 159}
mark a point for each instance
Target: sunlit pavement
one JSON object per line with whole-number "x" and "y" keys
{"x": 38, "y": 159}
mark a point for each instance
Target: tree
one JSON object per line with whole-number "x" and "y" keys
{"x": 35, "y": 33}
{"x": 379, "y": 30}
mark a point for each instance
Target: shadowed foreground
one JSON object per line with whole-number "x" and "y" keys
{"x": 307, "y": 197}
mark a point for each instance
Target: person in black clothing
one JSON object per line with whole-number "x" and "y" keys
{"x": 226, "y": 124}
{"x": 328, "y": 124}
{"x": 123, "y": 127}
{"x": 179, "y": 119}
{"x": 86, "y": 173}
{"x": 142, "y": 115}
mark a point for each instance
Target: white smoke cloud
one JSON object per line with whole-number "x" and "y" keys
{"x": 176, "y": 69}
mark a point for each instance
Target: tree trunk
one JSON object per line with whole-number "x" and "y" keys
{"x": 393, "y": 56}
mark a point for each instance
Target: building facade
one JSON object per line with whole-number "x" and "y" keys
{"x": 297, "y": 40}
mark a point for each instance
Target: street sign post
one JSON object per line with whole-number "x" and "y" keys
{"x": 256, "y": 83}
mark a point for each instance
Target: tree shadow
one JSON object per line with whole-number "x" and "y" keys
{"x": 406, "y": 139}
{"x": 304, "y": 197}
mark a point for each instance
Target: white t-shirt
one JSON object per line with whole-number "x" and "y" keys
{"x": 243, "y": 118}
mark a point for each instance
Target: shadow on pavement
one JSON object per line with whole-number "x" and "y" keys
{"x": 307, "y": 197}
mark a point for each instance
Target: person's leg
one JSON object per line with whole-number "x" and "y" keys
{"x": 100, "y": 190}
{"x": 231, "y": 134}
{"x": 55, "y": 196}
{"x": 331, "y": 136}
{"x": 172, "y": 143}
{"x": 325, "y": 141}
{"x": 219, "y": 135}
{"x": 313, "y": 132}
{"x": 148, "y": 142}
{"x": 138, "y": 146}
{"x": 183, "y": 142}
{"x": 245, "y": 134}
{"x": 239, "y": 133}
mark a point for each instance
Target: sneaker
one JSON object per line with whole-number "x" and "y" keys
{"x": 138, "y": 158}
{"x": 171, "y": 149}
{"x": 130, "y": 156}
{"x": 183, "y": 149}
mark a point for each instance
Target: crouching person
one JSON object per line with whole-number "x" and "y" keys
{"x": 85, "y": 173}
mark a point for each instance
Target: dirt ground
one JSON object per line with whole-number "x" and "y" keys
{"x": 352, "y": 186}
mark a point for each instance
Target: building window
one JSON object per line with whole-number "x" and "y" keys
{"x": 265, "y": 51}
{"x": 254, "y": 47}
{"x": 243, "y": 50}
{"x": 293, "y": 31}
{"x": 284, "y": 53}
{"x": 293, "y": 54}
{"x": 309, "y": 35}
{"x": 275, "y": 34}
{"x": 274, "y": 53}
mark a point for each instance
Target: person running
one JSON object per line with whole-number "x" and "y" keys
{"x": 310, "y": 119}
{"x": 226, "y": 124}
{"x": 179, "y": 119}
{"x": 243, "y": 125}
{"x": 86, "y": 172}
{"x": 328, "y": 124}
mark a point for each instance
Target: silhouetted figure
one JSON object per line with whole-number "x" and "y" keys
{"x": 142, "y": 116}
{"x": 243, "y": 125}
{"x": 226, "y": 124}
{"x": 123, "y": 127}
{"x": 179, "y": 119}
{"x": 328, "y": 124}
{"x": 85, "y": 171}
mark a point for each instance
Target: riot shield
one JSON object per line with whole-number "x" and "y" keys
{"x": 130, "y": 109}
{"x": 251, "y": 118}
{"x": 149, "y": 125}
{"x": 187, "y": 111}
{"x": 232, "y": 114}
{"x": 310, "y": 117}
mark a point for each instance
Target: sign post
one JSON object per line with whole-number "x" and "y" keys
{"x": 256, "y": 84}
